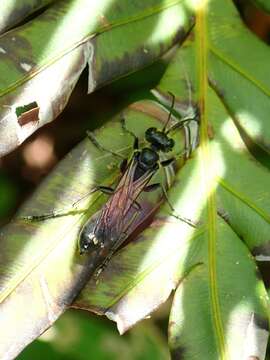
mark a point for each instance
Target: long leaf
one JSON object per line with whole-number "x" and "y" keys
{"x": 216, "y": 313}
{"x": 243, "y": 317}
{"x": 41, "y": 61}
{"x": 222, "y": 178}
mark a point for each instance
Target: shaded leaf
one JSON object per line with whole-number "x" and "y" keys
{"x": 42, "y": 60}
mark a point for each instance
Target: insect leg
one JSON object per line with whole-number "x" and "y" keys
{"x": 167, "y": 162}
{"x": 170, "y": 114}
{"x": 124, "y": 127}
{"x": 152, "y": 187}
{"x": 105, "y": 262}
{"x": 190, "y": 114}
{"x": 155, "y": 186}
{"x": 105, "y": 189}
{"x": 164, "y": 164}
{"x": 186, "y": 220}
{"x": 67, "y": 211}
{"x": 94, "y": 141}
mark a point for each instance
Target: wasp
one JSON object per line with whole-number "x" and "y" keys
{"x": 108, "y": 228}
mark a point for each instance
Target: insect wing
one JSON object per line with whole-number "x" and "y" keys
{"x": 120, "y": 205}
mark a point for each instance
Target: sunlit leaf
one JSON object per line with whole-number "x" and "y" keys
{"x": 240, "y": 306}
{"x": 221, "y": 181}
{"x": 220, "y": 308}
{"x": 42, "y": 60}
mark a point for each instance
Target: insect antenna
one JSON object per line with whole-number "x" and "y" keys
{"x": 170, "y": 114}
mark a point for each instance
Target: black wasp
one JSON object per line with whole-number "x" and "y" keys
{"x": 109, "y": 226}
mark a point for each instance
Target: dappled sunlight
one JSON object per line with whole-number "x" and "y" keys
{"x": 197, "y": 4}
{"x": 250, "y": 122}
{"x": 45, "y": 266}
{"x": 231, "y": 134}
{"x": 65, "y": 68}
{"x": 219, "y": 162}
{"x": 87, "y": 23}
{"x": 167, "y": 249}
{"x": 79, "y": 176}
{"x": 14, "y": 12}
{"x": 173, "y": 16}
{"x": 192, "y": 200}
{"x": 6, "y": 12}
{"x": 48, "y": 75}
{"x": 252, "y": 341}
{"x": 233, "y": 336}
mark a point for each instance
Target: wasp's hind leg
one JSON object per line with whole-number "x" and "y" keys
{"x": 155, "y": 186}
{"x": 173, "y": 212}
{"x": 100, "y": 268}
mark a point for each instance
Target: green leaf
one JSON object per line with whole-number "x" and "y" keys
{"x": 39, "y": 262}
{"x": 240, "y": 305}
{"x": 242, "y": 62}
{"x": 42, "y": 60}
{"x": 221, "y": 70}
{"x": 222, "y": 180}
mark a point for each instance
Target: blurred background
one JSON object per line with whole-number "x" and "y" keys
{"x": 79, "y": 335}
